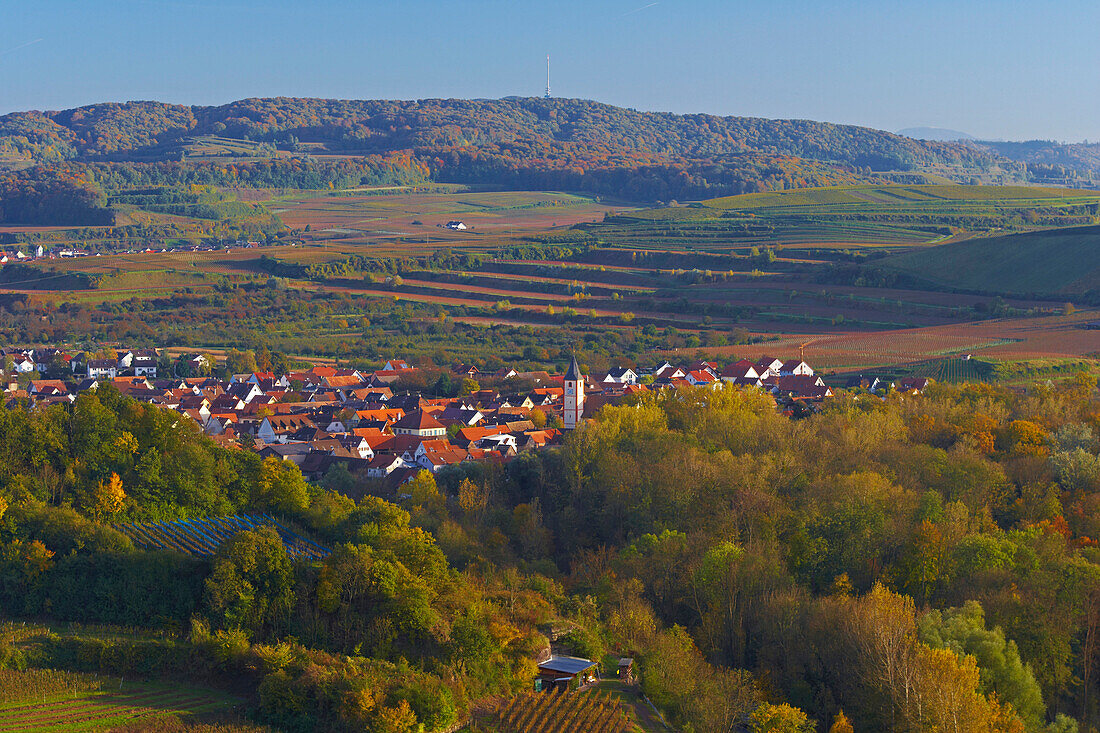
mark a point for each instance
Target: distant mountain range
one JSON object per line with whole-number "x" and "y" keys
{"x": 934, "y": 133}
{"x": 563, "y": 144}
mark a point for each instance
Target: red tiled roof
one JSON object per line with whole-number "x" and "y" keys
{"x": 418, "y": 420}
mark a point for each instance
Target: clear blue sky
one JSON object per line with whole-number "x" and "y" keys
{"x": 1004, "y": 69}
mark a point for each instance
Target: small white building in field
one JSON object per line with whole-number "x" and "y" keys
{"x": 456, "y": 225}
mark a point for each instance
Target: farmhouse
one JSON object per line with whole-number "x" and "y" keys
{"x": 456, "y": 225}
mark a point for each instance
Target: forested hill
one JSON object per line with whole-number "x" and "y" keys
{"x": 523, "y": 128}
{"x": 544, "y": 144}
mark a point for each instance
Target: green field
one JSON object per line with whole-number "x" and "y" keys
{"x": 1065, "y": 261}
{"x": 891, "y": 195}
{"x": 854, "y": 216}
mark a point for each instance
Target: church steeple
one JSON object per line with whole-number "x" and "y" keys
{"x": 574, "y": 395}
{"x": 573, "y": 374}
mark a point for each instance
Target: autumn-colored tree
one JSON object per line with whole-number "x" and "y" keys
{"x": 240, "y": 362}
{"x": 108, "y": 497}
{"x": 537, "y": 418}
{"x": 1024, "y": 438}
{"x": 841, "y": 724}
{"x": 397, "y": 719}
{"x": 782, "y": 718}
{"x": 426, "y": 501}
{"x": 280, "y": 487}
{"x": 883, "y": 629}
{"x": 472, "y": 498}
{"x": 946, "y": 696}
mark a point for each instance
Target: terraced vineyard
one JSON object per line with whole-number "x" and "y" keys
{"x": 202, "y": 537}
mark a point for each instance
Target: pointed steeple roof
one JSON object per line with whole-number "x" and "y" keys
{"x": 574, "y": 372}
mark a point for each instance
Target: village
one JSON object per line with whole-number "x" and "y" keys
{"x": 325, "y": 415}
{"x": 38, "y": 252}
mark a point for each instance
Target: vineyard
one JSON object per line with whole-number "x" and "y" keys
{"x": 202, "y": 537}
{"x": 561, "y": 711}
{"x": 40, "y": 684}
{"x": 49, "y": 700}
{"x": 955, "y": 370}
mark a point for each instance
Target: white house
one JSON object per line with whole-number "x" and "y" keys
{"x": 621, "y": 375}
{"x": 393, "y": 365}
{"x": 668, "y": 371}
{"x": 420, "y": 424}
{"x": 500, "y": 441}
{"x": 144, "y": 366}
{"x": 796, "y": 367}
{"x": 456, "y": 225}
{"x": 23, "y": 364}
{"x": 383, "y": 465}
{"x": 701, "y": 377}
{"x": 98, "y": 368}
{"x": 768, "y": 366}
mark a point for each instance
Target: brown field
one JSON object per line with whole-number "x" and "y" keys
{"x": 413, "y": 218}
{"x": 1001, "y": 339}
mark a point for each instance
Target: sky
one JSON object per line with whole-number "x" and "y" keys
{"x": 994, "y": 69}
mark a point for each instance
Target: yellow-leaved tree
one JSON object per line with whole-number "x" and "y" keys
{"x": 841, "y": 724}
{"x": 108, "y": 498}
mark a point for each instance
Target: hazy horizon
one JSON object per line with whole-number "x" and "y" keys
{"x": 989, "y": 69}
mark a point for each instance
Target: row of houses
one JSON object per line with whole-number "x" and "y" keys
{"x": 325, "y": 415}
{"x": 126, "y": 362}
{"x": 39, "y": 252}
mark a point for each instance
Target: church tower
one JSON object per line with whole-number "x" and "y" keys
{"x": 574, "y": 395}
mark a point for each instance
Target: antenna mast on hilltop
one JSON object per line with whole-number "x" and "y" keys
{"x": 548, "y": 76}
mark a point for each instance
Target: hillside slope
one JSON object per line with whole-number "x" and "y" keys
{"x": 1056, "y": 262}
{"x": 522, "y": 126}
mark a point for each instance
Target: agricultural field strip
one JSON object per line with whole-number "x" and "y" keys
{"x": 91, "y": 711}
{"x": 28, "y": 707}
{"x": 203, "y": 536}
{"x": 677, "y": 319}
{"x": 505, "y": 277}
{"x": 417, "y": 205}
{"x": 749, "y": 294}
{"x": 482, "y": 290}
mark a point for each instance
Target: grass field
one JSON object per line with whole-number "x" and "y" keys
{"x": 46, "y": 700}
{"x": 862, "y": 217}
{"x": 1063, "y": 261}
{"x": 893, "y": 195}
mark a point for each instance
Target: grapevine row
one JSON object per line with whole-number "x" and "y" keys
{"x": 202, "y": 537}
{"x": 560, "y": 711}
